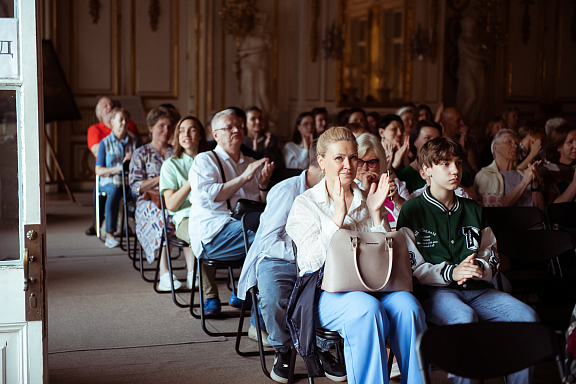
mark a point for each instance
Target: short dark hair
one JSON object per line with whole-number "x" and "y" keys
{"x": 156, "y": 114}
{"x": 416, "y": 132}
{"x": 439, "y": 149}
{"x": 319, "y": 110}
{"x": 530, "y": 127}
{"x": 557, "y": 138}
{"x": 386, "y": 120}
{"x": 313, "y": 154}
{"x": 297, "y": 136}
{"x": 354, "y": 110}
{"x": 357, "y": 127}
{"x": 252, "y": 108}
{"x": 375, "y": 115}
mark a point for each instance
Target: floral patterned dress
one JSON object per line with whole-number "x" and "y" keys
{"x": 146, "y": 164}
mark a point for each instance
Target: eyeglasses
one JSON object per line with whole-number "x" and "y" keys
{"x": 371, "y": 163}
{"x": 239, "y": 128}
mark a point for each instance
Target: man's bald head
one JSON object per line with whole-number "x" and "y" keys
{"x": 451, "y": 120}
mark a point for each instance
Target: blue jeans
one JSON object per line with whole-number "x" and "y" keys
{"x": 450, "y": 306}
{"x": 113, "y": 197}
{"x": 365, "y": 321}
{"x": 228, "y": 244}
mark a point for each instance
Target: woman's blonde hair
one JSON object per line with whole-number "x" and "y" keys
{"x": 368, "y": 141}
{"x": 333, "y": 135}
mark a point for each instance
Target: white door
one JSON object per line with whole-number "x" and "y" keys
{"x": 23, "y": 339}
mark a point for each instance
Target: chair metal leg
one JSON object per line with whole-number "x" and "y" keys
{"x": 292, "y": 366}
{"x": 261, "y": 351}
{"x": 170, "y": 269}
{"x": 142, "y": 269}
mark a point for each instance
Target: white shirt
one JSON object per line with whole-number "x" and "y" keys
{"x": 271, "y": 238}
{"x": 311, "y": 227}
{"x": 208, "y": 217}
{"x": 296, "y": 156}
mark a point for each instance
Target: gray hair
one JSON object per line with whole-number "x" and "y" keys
{"x": 553, "y": 123}
{"x": 498, "y": 138}
{"x": 228, "y": 111}
{"x": 97, "y": 109}
{"x": 368, "y": 141}
{"x": 407, "y": 109}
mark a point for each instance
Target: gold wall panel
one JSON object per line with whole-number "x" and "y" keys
{"x": 154, "y": 53}
{"x": 94, "y": 53}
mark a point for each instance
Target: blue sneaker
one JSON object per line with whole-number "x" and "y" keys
{"x": 235, "y": 301}
{"x": 212, "y": 307}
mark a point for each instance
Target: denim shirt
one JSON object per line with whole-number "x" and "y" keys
{"x": 111, "y": 152}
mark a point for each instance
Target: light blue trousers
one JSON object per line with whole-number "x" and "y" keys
{"x": 365, "y": 321}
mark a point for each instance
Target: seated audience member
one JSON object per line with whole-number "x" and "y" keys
{"x": 409, "y": 116}
{"x": 96, "y": 133}
{"x": 270, "y": 265}
{"x": 423, "y": 132}
{"x": 501, "y": 183}
{"x": 263, "y": 143}
{"x": 320, "y": 119}
{"x": 113, "y": 151}
{"x": 453, "y": 250}
{"x": 454, "y": 128}
{"x": 246, "y": 150}
{"x": 494, "y": 126}
{"x": 425, "y": 113}
{"x": 558, "y": 173}
{"x": 552, "y": 124}
{"x": 391, "y": 129}
{"x": 342, "y": 117}
{"x": 371, "y": 165}
{"x": 511, "y": 116}
{"x": 460, "y": 191}
{"x": 357, "y": 129}
{"x": 214, "y": 234}
{"x": 296, "y": 151}
{"x": 364, "y": 320}
{"x": 531, "y": 136}
{"x": 189, "y": 139}
{"x": 373, "y": 118}
{"x": 144, "y": 179}
{"x": 357, "y": 115}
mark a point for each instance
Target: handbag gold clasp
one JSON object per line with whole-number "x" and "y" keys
{"x": 354, "y": 243}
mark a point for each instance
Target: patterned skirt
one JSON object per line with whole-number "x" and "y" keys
{"x": 149, "y": 227}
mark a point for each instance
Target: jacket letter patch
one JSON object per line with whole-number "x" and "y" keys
{"x": 472, "y": 237}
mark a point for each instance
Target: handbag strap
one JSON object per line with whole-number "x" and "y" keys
{"x": 389, "y": 242}
{"x": 223, "y": 179}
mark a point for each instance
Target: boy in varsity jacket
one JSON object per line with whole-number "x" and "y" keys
{"x": 453, "y": 250}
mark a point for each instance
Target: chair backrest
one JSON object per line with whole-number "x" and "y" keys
{"x": 535, "y": 246}
{"x": 504, "y": 219}
{"x": 486, "y": 350}
{"x": 563, "y": 214}
{"x": 250, "y": 221}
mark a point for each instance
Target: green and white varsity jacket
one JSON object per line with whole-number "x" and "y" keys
{"x": 439, "y": 239}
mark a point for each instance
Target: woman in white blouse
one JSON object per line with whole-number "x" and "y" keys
{"x": 364, "y": 320}
{"x": 296, "y": 151}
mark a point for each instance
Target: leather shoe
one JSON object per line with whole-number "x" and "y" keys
{"x": 90, "y": 231}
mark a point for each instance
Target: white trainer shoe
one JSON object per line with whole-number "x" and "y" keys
{"x": 164, "y": 284}
{"x": 111, "y": 242}
{"x": 189, "y": 280}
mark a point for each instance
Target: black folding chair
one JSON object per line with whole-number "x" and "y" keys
{"x": 129, "y": 209}
{"x": 563, "y": 214}
{"x": 170, "y": 240}
{"x": 486, "y": 350}
{"x": 505, "y": 219}
{"x": 230, "y": 265}
{"x": 251, "y": 221}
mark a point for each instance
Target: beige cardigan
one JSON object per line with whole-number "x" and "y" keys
{"x": 489, "y": 186}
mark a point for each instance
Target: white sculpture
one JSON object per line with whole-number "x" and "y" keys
{"x": 471, "y": 73}
{"x": 252, "y": 68}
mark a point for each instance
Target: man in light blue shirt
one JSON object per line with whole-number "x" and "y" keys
{"x": 270, "y": 265}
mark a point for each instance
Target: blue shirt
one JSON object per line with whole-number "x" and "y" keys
{"x": 271, "y": 238}
{"x": 111, "y": 153}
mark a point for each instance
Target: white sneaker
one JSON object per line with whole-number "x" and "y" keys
{"x": 164, "y": 284}
{"x": 395, "y": 371}
{"x": 252, "y": 335}
{"x": 189, "y": 280}
{"x": 111, "y": 242}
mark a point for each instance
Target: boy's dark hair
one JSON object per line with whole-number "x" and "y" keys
{"x": 439, "y": 149}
